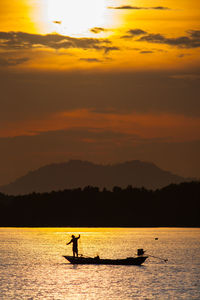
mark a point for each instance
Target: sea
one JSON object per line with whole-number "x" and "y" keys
{"x": 32, "y": 265}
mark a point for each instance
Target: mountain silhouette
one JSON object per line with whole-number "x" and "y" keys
{"x": 79, "y": 174}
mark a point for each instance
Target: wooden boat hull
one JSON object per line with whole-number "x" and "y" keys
{"x": 129, "y": 261}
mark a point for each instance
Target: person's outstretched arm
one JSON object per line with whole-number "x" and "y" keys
{"x": 69, "y": 243}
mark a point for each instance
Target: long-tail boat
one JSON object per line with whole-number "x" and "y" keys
{"x": 84, "y": 260}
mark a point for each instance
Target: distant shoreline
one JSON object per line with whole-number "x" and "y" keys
{"x": 176, "y": 205}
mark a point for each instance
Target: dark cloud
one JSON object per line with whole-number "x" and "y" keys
{"x": 23, "y": 40}
{"x": 124, "y": 7}
{"x": 91, "y": 60}
{"x": 134, "y": 32}
{"x": 160, "y": 8}
{"x": 138, "y": 7}
{"x": 194, "y": 33}
{"x": 57, "y": 22}
{"x": 97, "y": 29}
{"x": 9, "y": 62}
{"x": 108, "y": 49}
{"x": 146, "y": 52}
{"x": 181, "y": 55}
{"x": 191, "y": 41}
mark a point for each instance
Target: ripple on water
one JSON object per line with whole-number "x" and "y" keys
{"x": 32, "y": 266}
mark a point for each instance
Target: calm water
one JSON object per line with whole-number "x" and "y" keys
{"x": 32, "y": 266}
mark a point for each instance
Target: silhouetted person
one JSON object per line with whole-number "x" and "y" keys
{"x": 74, "y": 241}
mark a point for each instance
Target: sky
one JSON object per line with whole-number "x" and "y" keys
{"x": 105, "y": 81}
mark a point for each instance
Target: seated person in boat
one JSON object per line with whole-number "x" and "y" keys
{"x": 74, "y": 242}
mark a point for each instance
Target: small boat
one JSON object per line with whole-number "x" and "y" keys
{"x": 129, "y": 261}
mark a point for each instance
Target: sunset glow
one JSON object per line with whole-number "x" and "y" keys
{"x": 75, "y": 17}
{"x": 103, "y": 35}
{"x": 102, "y": 73}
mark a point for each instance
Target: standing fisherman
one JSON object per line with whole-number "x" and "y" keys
{"x": 74, "y": 241}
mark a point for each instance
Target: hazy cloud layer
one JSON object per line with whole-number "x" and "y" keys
{"x": 186, "y": 76}
{"x": 23, "y": 40}
{"x": 29, "y": 95}
{"x": 7, "y": 62}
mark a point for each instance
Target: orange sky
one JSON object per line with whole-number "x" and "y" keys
{"x": 99, "y": 80}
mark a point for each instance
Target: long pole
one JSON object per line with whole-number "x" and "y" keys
{"x": 165, "y": 259}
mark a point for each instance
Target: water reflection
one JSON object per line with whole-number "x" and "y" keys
{"x": 32, "y": 264}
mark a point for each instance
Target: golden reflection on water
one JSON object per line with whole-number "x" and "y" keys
{"x": 32, "y": 264}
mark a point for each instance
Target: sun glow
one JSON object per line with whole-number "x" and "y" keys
{"x": 75, "y": 17}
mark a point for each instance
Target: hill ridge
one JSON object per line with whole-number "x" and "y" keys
{"x": 79, "y": 173}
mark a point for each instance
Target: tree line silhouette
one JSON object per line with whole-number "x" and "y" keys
{"x": 176, "y": 205}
